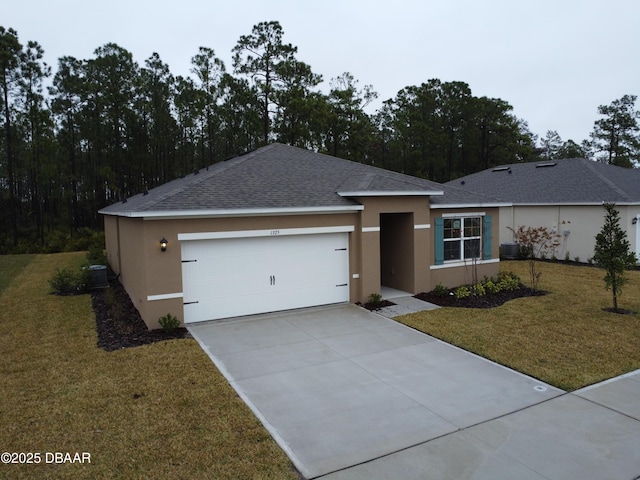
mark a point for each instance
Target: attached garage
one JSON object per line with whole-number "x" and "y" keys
{"x": 243, "y": 273}
{"x": 281, "y": 228}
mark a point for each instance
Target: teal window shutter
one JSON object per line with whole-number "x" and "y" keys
{"x": 487, "y": 238}
{"x": 439, "y": 243}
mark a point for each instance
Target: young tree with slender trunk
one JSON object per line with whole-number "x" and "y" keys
{"x": 535, "y": 243}
{"x": 613, "y": 253}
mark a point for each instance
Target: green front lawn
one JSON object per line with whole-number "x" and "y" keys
{"x": 564, "y": 338}
{"x": 157, "y": 411}
{"x": 11, "y": 266}
{"x": 164, "y": 410}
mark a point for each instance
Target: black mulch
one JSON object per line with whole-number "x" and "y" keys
{"x": 118, "y": 323}
{"x": 489, "y": 300}
{"x": 373, "y": 306}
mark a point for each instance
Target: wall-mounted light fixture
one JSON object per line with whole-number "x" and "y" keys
{"x": 634, "y": 220}
{"x": 163, "y": 244}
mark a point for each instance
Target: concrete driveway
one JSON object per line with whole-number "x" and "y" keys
{"x": 349, "y": 394}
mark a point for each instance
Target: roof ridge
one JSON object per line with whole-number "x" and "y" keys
{"x": 590, "y": 165}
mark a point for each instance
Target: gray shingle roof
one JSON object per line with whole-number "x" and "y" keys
{"x": 278, "y": 176}
{"x": 569, "y": 181}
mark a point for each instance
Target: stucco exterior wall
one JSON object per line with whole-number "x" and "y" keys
{"x": 416, "y": 247}
{"x": 576, "y": 225}
{"x": 392, "y": 242}
{"x": 150, "y": 275}
{"x": 462, "y": 273}
{"x": 131, "y": 260}
{"x": 111, "y": 238}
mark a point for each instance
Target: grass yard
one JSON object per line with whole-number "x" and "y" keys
{"x": 563, "y": 338}
{"x": 11, "y": 266}
{"x": 157, "y": 411}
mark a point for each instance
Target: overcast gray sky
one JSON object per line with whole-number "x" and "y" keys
{"x": 554, "y": 61}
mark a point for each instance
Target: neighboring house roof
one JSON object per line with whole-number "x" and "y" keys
{"x": 277, "y": 178}
{"x": 575, "y": 181}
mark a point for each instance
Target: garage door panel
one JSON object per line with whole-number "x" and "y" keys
{"x": 243, "y": 276}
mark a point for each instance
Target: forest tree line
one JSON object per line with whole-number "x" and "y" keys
{"x": 101, "y": 129}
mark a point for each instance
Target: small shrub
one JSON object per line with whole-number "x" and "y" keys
{"x": 169, "y": 322}
{"x": 576, "y": 259}
{"x": 84, "y": 279}
{"x": 375, "y": 300}
{"x": 96, "y": 255}
{"x": 492, "y": 287}
{"x": 441, "y": 291}
{"x": 462, "y": 292}
{"x": 478, "y": 290}
{"x": 508, "y": 281}
{"x": 66, "y": 282}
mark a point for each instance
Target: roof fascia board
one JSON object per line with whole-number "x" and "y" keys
{"x": 441, "y": 206}
{"x": 241, "y": 212}
{"x": 569, "y": 204}
{"x": 409, "y": 193}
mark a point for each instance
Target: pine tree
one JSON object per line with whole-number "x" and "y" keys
{"x": 612, "y": 252}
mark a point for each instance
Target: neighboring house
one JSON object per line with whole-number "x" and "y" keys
{"x": 282, "y": 228}
{"x": 565, "y": 196}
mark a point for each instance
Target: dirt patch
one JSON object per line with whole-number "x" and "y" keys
{"x": 118, "y": 323}
{"x": 474, "y": 301}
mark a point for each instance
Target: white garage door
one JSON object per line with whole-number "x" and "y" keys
{"x": 242, "y": 276}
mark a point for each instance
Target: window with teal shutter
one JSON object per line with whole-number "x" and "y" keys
{"x": 439, "y": 241}
{"x": 487, "y": 238}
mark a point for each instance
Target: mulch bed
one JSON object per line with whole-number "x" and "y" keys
{"x": 489, "y": 300}
{"x": 118, "y": 323}
{"x": 372, "y": 307}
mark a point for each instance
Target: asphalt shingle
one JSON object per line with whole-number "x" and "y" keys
{"x": 278, "y": 176}
{"x": 568, "y": 181}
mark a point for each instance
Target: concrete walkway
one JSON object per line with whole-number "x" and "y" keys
{"x": 349, "y": 394}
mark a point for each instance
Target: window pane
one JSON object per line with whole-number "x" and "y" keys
{"x": 452, "y": 227}
{"x": 452, "y": 250}
{"x": 471, "y": 248}
{"x": 472, "y": 227}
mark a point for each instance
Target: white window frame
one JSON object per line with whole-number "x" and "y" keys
{"x": 462, "y": 238}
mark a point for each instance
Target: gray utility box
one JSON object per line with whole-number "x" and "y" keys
{"x": 509, "y": 250}
{"x": 98, "y": 276}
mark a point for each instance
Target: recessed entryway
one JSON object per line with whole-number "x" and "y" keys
{"x": 397, "y": 251}
{"x": 389, "y": 293}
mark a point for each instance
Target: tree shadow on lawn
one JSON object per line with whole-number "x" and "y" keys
{"x": 619, "y": 311}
